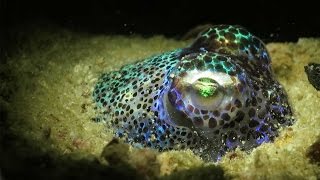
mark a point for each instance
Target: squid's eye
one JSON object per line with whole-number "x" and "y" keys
{"x": 206, "y": 93}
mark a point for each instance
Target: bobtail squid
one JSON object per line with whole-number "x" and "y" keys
{"x": 213, "y": 96}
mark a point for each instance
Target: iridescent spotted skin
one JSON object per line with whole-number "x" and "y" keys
{"x": 212, "y": 97}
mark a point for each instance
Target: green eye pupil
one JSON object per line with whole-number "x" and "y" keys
{"x": 206, "y": 87}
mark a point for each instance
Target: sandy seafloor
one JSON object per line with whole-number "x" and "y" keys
{"x": 47, "y": 129}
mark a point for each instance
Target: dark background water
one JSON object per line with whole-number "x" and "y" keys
{"x": 272, "y": 20}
